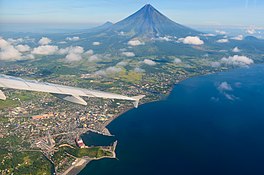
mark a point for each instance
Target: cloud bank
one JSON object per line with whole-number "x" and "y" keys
{"x": 45, "y": 50}
{"x": 237, "y": 60}
{"x": 23, "y": 48}
{"x": 8, "y": 52}
{"x": 74, "y": 53}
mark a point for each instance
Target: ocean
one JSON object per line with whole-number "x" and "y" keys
{"x": 209, "y": 125}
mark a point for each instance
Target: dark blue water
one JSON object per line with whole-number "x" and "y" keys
{"x": 94, "y": 139}
{"x": 205, "y": 127}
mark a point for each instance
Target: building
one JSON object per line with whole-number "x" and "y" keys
{"x": 80, "y": 143}
{"x": 44, "y": 116}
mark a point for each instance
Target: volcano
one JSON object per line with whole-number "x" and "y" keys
{"x": 148, "y": 22}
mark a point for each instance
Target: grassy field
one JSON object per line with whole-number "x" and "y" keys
{"x": 8, "y": 103}
{"x": 95, "y": 152}
{"x": 30, "y": 163}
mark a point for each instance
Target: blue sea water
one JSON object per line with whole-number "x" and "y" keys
{"x": 94, "y": 139}
{"x": 209, "y": 125}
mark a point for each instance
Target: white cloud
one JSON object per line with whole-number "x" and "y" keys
{"x": 64, "y": 51}
{"x": 224, "y": 86}
{"x": 8, "y": 52}
{"x": 45, "y": 50}
{"x": 236, "y": 50}
{"x": 89, "y": 52}
{"x": 221, "y": 32}
{"x": 121, "y": 33}
{"x": 75, "y": 49}
{"x": 225, "y": 89}
{"x": 149, "y": 62}
{"x": 109, "y": 71}
{"x": 251, "y": 31}
{"x": 238, "y": 38}
{"x": 222, "y": 41}
{"x": 29, "y": 56}
{"x": 91, "y": 57}
{"x": 135, "y": 43}
{"x": 74, "y": 53}
{"x": 237, "y": 60}
{"x": 230, "y": 96}
{"x": 75, "y": 38}
{"x": 223, "y": 51}
{"x": 122, "y": 63}
{"x": 23, "y": 48}
{"x": 177, "y": 60}
{"x": 208, "y": 35}
{"x": 4, "y": 43}
{"x": 15, "y": 41}
{"x": 71, "y": 57}
{"x": 94, "y": 58}
{"x": 128, "y": 54}
{"x": 96, "y": 43}
{"x": 193, "y": 40}
{"x": 165, "y": 38}
{"x": 44, "y": 41}
{"x": 215, "y": 64}
{"x": 62, "y": 42}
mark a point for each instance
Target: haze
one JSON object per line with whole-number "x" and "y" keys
{"x": 83, "y": 14}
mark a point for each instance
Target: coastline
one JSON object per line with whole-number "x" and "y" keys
{"x": 74, "y": 169}
{"x": 80, "y": 163}
{"x": 166, "y": 95}
{"x": 104, "y": 130}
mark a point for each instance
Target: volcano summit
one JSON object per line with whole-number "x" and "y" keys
{"x": 149, "y": 22}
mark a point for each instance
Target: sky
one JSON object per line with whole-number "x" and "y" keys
{"x": 94, "y": 12}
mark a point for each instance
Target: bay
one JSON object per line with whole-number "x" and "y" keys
{"x": 211, "y": 124}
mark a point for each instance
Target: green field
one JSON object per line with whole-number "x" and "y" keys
{"x": 25, "y": 163}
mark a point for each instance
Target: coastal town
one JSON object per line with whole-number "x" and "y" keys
{"x": 39, "y": 122}
{"x": 52, "y": 128}
{"x": 70, "y": 70}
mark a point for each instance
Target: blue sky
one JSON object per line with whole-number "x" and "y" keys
{"x": 189, "y": 12}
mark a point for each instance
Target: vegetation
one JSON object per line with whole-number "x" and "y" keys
{"x": 95, "y": 152}
{"x": 8, "y": 103}
{"x": 30, "y": 163}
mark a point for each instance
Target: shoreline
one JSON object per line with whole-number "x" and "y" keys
{"x": 80, "y": 163}
{"x": 76, "y": 168}
{"x": 104, "y": 129}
